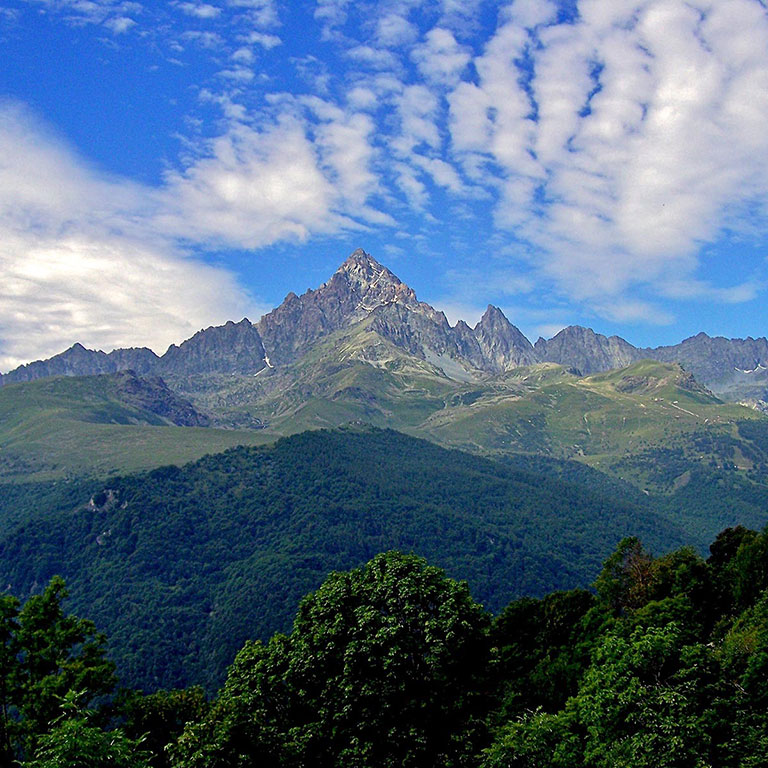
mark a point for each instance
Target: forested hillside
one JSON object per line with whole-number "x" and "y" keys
{"x": 663, "y": 665}
{"x": 181, "y": 565}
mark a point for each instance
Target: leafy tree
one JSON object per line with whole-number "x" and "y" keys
{"x": 73, "y": 742}
{"x": 744, "y": 657}
{"x": 158, "y": 719}
{"x": 45, "y": 654}
{"x": 748, "y": 570}
{"x": 385, "y": 666}
{"x": 9, "y": 611}
{"x": 538, "y": 740}
{"x": 626, "y": 578}
{"x": 726, "y": 545}
{"x": 642, "y": 703}
{"x": 543, "y": 647}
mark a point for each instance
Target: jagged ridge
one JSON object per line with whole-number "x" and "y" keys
{"x": 362, "y": 289}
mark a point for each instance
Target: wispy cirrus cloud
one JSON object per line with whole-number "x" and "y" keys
{"x": 116, "y": 15}
{"x": 628, "y": 139}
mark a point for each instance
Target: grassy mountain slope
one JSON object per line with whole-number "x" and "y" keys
{"x": 180, "y": 566}
{"x": 618, "y": 421}
{"x": 83, "y": 426}
{"x": 649, "y": 423}
{"x": 598, "y": 419}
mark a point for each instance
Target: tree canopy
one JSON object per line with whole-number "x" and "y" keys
{"x": 664, "y": 664}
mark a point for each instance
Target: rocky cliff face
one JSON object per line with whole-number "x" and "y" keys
{"x": 79, "y": 361}
{"x": 501, "y": 344}
{"x": 229, "y": 348}
{"x": 360, "y": 287}
{"x": 716, "y": 359}
{"x": 153, "y": 395}
{"x": 587, "y": 351}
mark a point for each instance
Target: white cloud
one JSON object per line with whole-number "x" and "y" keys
{"x": 120, "y": 24}
{"x": 209, "y": 40}
{"x": 640, "y": 135}
{"x": 346, "y": 149}
{"x": 78, "y": 264}
{"x": 113, "y": 14}
{"x": 243, "y": 56}
{"x": 407, "y": 179}
{"x": 239, "y": 74}
{"x": 625, "y": 310}
{"x": 392, "y": 29}
{"x": 440, "y": 58}
{"x": 199, "y": 10}
{"x": 376, "y": 58}
{"x": 362, "y": 98}
{"x": 260, "y": 13}
{"x": 105, "y": 292}
{"x": 698, "y": 289}
{"x": 251, "y": 188}
{"x": 264, "y": 40}
{"x": 331, "y": 14}
{"x": 417, "y": 108}
{"x": 443, "y": 174}
{"x": 531, "y": 13}
{"x": 547, "y": 330}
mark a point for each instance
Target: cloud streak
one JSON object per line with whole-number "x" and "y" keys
{"x": 629, "y": 138}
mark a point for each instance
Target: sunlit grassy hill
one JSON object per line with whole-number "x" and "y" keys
{"x": 84, "y": 426}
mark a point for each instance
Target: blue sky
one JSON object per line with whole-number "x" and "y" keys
{"x": 167, "y": 166}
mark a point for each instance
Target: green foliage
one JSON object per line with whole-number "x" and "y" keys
{"x": 625, "y": 581}
{"x": 673, "y": 680}
{"x": 639, "y": 702}
{"x": 56, "y": 653}
{"x": 157, "y": 719}
{"x": 393, "y": 663}
{"x": 74, "y": 742}
{"x": 385, "y": 666}
{"x": 543, "y": 649}
{"x": 45, "y": 656}
{"x": 182, "y": 565}
{"x": 538, "y": 740}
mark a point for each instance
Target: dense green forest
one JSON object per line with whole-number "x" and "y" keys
{"x": 664, "y": 663}
{"x": 181, "y": 565}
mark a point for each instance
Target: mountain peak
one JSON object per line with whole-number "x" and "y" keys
{"x": 493, "y": 315}
{"x": 362, "y": 264}
{"x": 503, "y": 346}
{"x": 589, "y": 352}
{"x": 359, "y": 258}
{"x": 370, "y": 283}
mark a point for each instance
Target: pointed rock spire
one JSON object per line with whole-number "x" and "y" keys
{"x": 373, "y": 283}
{"x": 502, "y": 344}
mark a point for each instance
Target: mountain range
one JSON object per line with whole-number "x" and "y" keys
{"x": 364, "y": 291}
{"x": 363, "y": 348}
